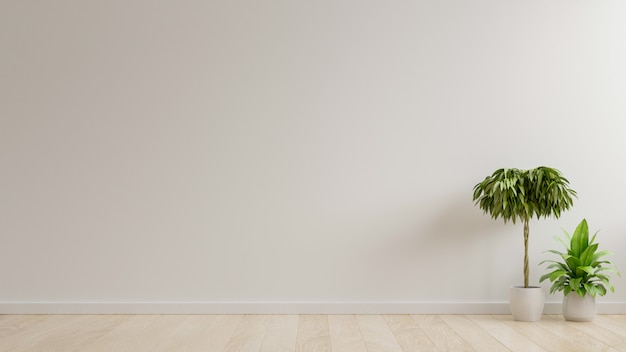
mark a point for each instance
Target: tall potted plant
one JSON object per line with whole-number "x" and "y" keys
{"x": 514, "y": 194}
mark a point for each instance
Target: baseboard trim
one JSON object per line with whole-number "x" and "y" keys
{"x": 303, "y": 307}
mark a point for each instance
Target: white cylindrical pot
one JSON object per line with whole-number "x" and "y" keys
{"x": 576, "y": 308}
{"x": 527, "y": 303}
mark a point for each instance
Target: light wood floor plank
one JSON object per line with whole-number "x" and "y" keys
{"x": 281, "y": 334}
{"x": 607, "y": 336}
{"x": 474, "y": 335}
{"x": 377, "y": 334}
{"x": 76, "y": 333}
{"x": 345, "y": 334}
{"x": 34, "y": 334}
{"x": 249, "y": 334}
{"x": 15, "y": 323}
{"x": 313, "y": 334}
{"x": 610, "y": 324}
{"x": 137, "y": 333}
{"x": 621, "y": 319}
{"x": 509, "y": 337}
{"x": 15, "y": 333}
{"x": 6, "y": 318}
{"x": 582, "y": 340}
{"x": 409, "y": 335}
{"x": 187, "y": 336}
{"x": 442, "y": 335}
{"x": 617, "y": 330}
{"x": 586, "y": 335}
{"x": 545, "y": 338}
{"x": 218, "y": 333}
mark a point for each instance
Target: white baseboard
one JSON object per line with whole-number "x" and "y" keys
{"x": 375, "y": 307}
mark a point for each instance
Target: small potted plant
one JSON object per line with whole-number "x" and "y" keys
{"x": 581, "y": 275}
{"x": 514, "y": 194}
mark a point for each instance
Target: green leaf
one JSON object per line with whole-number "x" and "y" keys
{"x": 544, "y": 277}
{"x": 591, "y": 289}
{"x": 572, "y": 262}
{"x": 588, "y": 269}
{"x": 574, "y": 283}
{"x": 556, "y": 252}
{"x": 556, "y": 274}
{"x": 600, "y": 254}
{"x": 580, "y": 238}
{"x": 586, "y": 257}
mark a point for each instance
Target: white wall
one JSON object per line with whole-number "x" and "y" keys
{"x": 285, "y": 151}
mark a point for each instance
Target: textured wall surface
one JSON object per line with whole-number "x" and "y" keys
{"x": 206, "y": 151}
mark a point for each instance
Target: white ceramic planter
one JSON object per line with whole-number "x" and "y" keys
{"x": 527, "y": 303}
{"x": 576, "y": 308}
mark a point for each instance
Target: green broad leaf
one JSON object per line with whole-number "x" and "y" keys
{"x": 604, "y": 283}
{"x": 547, "y": 261}
{"x": 588, "y": 269}
{"x": 544, "y": 277}
{"x": 556, "y": 287}
{"x": 559, "y": 266}
{"x": 593, "y": 238}
{"x": 572, "y": 263}
{"x": 580, "y": 238}
{"x": 602, "y": 262}
{"x": 539, "y": 179}
{"x": 608, "y": 268}
{"x": 586, "y": 257}
{"x": 591, "y": 289}
{"x": 556, "y": 274}
{"x": 574, "y": 283}
{"x": 600, "y": 254}
{"x": 560, "y": 254}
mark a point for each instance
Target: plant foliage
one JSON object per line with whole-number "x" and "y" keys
{"x": 581, "y": 269}
{"x": 513, "y": 194}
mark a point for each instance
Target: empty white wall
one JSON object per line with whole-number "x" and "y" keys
{"x": 285, "y": 151}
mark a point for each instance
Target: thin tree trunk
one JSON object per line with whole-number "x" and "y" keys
{"x": 526, "y": 269}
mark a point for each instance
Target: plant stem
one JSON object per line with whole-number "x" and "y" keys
{"x": 526, "y": 269}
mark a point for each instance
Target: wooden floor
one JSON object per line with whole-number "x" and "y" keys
{"x": 276, "y": 333}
